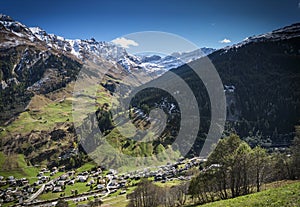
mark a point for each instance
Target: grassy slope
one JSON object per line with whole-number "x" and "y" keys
{"x": 43, "y": 119}
{"x": 287, "y": 195}
{"x": 17, "y": 167}
{"x": 45, "y": 112}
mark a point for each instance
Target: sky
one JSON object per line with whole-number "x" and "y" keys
{"x": 212, "y": 23}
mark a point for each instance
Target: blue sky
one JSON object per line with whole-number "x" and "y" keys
{"x": 204, "y": 23}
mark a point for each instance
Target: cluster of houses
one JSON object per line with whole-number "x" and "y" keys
{"x": 176, "y": 170}
{"x": 16, "y": 190}
{"x": 167, "y": 172}
{"x": 19, "y": 190}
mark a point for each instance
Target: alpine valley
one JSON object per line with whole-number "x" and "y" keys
{"x": 38, "y": 72}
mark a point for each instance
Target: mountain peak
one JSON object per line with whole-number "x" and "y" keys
{"x": 151, "y": 58}
{"x": 293, "y": 29}
{"x": 6, "y": 18}
{"x": 36, "y": 30}
{"x": 284, "y": 33}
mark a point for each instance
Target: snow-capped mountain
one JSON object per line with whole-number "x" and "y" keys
{"x": 84, "y": 49}
{"x": 13, "y": 28}
{"x": 193, "y": 55}
{"x": 159, "y": 65}
{"x": 81, "y": 49}
{"x": 285, "y": 33}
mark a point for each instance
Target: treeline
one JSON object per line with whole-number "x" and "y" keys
{"x": 232, "y": 169}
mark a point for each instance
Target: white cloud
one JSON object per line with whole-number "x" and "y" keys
{"x": 123, "y": 42}
{"x": 225, "y": 41}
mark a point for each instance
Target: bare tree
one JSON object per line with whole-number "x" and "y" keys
{"x": 260, "y": 162}
{"x": 295, "y": 155}
{"x": 145, "y": 195}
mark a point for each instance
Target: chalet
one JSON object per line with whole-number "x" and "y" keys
{"x": 99, "y": 186}
{"x": 63, "y": 177}
{"x": 71, "y": 182}
{"x": 49, "y": 188}
{"x": 82, "y": 178}
{"x": 57, "y": 189}
{"x": 62, "y": 168}
{"x": 60, "y": 183}
{"x": 3, "y": 183}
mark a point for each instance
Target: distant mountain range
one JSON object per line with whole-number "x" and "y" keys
{"x": 83, "y": 49}
{"x": 159, "y": 65}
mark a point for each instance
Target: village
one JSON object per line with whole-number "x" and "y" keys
{"x": 101, "y": 183}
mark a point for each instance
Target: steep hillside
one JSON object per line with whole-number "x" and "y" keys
{"x": 266, "y": 77}
{"x": 27, "y": 66}
{"x": 36, "y": 93}
{"x": 261, "y": 78}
